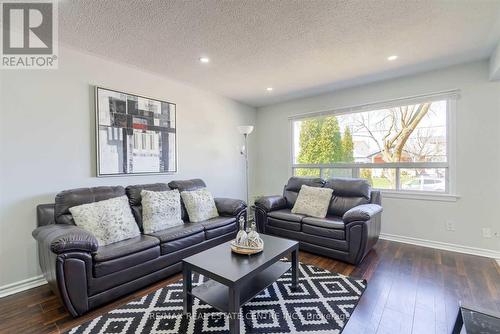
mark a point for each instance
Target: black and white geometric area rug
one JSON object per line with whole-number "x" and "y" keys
{"x": 323, "y": 303}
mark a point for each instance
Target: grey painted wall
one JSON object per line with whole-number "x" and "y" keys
{"x": 477, "y": 158}
{"x": 47, "y": 142}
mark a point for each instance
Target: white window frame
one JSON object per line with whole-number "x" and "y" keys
{"x": 449, "y": 194}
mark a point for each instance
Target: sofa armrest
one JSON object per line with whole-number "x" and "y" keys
{"x": 361, "y": 213}
{"x": 229, "y": 206}
{"x": 271, "y": 203}
{"x": 61, "y": 238}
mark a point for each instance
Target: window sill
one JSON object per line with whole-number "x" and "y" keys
{"x": 419, "y": 196}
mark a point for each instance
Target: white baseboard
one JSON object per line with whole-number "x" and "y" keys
{"x": 442, "y": 245}
{"x": 25, "y": 284}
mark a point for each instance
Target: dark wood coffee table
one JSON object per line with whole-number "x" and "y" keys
{"x": 235, "y": 279}
{"x": 476, "y": 321}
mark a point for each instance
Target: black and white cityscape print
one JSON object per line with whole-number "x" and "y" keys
{"x": 135, "y": 135}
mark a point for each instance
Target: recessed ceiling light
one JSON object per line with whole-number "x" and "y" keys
{"x": 204, "y": 60}
{"x": 269, "y": 89}
{"x": 391, "y": 58}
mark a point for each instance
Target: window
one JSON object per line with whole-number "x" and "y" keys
{"x": 402, "y": 145}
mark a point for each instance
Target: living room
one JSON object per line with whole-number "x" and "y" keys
{"x": 146, "y": 145}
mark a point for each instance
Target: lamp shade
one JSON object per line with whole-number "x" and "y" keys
{"x": 245, "y": 129}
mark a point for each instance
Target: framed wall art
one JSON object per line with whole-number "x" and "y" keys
{"x": 135, "y": 135}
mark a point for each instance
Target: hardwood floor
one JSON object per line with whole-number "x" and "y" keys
{"x": 411, "y": 289}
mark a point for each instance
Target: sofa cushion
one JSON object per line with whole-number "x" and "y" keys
{"x": 181, "y": 243}
{"x": 330, "y": 222}
{"x": 125, "y": 254}
{"x": 135, "y": 198}
{"x": 178, "y": 237}
{"x": 177, "y": 232}
{"x": 187, "y": 185}
{"x": 69, "y": 198}
{"x": 217, "y": 222}
{"x": 286, "y": 214}
{"x": 110, "y": 220}
{"x": 125, "y": 247}
{"x": 199, "y": 204}
{"x": 284, "y": 224}
{"x": 160, "y": 210}
{"x": 125, "y": 262}
{"x": 220, "y": 231}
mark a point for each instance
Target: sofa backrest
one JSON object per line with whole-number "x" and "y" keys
{"x": 347, "y": 193}
{"x": 186, "y": 185}
{"x": 73, "y": 197}
{"x": 292, "y": 188}
{"x": 69, "y": 198}
{"x": 135, "y": 198}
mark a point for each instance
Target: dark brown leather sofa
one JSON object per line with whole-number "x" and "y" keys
{"x": 348, "y": 232}
{"x": 86, "y": 276}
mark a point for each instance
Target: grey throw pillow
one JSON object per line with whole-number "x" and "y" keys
{"x": 109, "y": 221}
{"x": 160, "y": 210}
{"x": 313, "y": 201}
{"x": 200, "y": 205}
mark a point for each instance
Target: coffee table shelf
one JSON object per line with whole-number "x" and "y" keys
{"x": 217, "y": 294}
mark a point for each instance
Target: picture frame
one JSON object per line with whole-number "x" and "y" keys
{"x": 135, "y": 135}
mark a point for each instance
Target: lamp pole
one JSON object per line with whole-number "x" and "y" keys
{"x": 246, "y": 177}
{"x": 245, "y": 130}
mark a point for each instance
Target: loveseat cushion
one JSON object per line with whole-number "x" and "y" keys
{"x": 286, "y": 214}
{"x": 331, "y": 222}
{"x": 331, "y": 227}
{"x": 347, "y": 193}
{"x": 294, "y": 184}
{"x": 313, "y": 201}
{"x": 284, "y": 224}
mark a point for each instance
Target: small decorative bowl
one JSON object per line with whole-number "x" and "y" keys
{"x": 246, "y": 250}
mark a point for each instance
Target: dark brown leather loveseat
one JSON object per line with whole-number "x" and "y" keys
{"x": 348, "y": 232}
{"x": 86, "y": 276}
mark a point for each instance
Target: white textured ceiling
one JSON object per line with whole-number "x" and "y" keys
{"x": 298, "y": 47}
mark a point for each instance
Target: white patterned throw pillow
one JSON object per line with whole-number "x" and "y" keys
{"x": 109, "y": 221}
{"x": 160, "y": 210}
{"x": 313, "y": 201}
{"x": 200, "y": 205}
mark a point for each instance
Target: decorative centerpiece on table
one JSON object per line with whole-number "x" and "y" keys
{"x": 247, "y": 242}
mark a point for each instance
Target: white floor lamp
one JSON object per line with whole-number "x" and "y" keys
{"x": 245, "y": 130}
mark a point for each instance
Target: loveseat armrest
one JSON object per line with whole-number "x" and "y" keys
{"x": 271, "y": 203}
{"x": 362, "y": 212}
{"x": 61, "y": 238}
{"x": 229, "y": 206}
